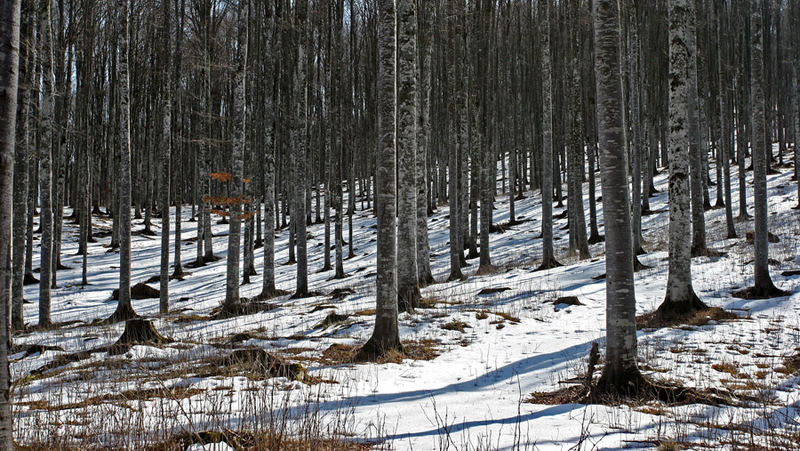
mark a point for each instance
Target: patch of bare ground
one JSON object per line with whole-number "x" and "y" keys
{"x": 424, "y": 349}
{"x": 122, "y": 398}
{"x": 253, "y": 363}
{"x": 654, "y": 320}
{"x": 264, "y": 440}
{"x": 244, "y": 307}
{"x": 641, "y": 391}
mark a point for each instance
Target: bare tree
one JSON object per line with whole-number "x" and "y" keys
{"x": 9, "y": 71}
{"x": 407, "y": 281}
{"x": 620, "y": 373}
{"x": 385, "y": 336}
{"x": 237, "y": 184}
{"x": 680, "y": 297}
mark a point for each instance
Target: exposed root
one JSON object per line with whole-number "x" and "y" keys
{"x": 137, "y": 332}
{"x": 549, "y": 264}
{"x": 760, "y": 293}
{"x": 245, "y": 306}
{"x": 701, "y": 317}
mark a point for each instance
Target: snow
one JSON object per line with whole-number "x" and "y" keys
{"x": 469, "y": 397}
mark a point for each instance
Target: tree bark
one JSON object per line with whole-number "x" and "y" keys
{"x": 9, "y": 67}
{"x": 385, "y": 336}
{"x": 620, "y": 372}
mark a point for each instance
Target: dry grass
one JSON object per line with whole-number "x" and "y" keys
{"x": 424, "y": 349}
{"x": 653, "y": 320}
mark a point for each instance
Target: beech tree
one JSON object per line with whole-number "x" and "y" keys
{"x": 385, "y": 335}
{"x": 620, "y": 373}
{"x": 680, "y": 297}
{"x": 237, "y": 194}
{"x": 407, "y": 272}
{"x": 9, "y": 73}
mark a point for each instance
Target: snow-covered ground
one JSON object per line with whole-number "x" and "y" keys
{"x": 472, "y": 396}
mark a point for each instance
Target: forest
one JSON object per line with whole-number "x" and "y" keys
{"x": 399, "y": 224}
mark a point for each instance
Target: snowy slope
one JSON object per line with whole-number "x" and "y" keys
{"x": 470, "y": 396}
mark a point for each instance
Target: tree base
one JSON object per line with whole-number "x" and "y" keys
{"x": 549, "y": 264}
{"x": 124, "y": 312}
{"x": 486, "y": 269}
{"x": 596, "y": 238}
{"x": 246, "y": 307}
{"x": 426, "y": 279}
{"x": 269, "y": 294}
{"x": 30, "y": 279}
{"x": 671, "y": 310}
{"x": 760, "y": 293}
{"x": 456, "y": 275}
{"x": 137, "y": 331}
{"x": 373, "y": 350}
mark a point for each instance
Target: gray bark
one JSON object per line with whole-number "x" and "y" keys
{"x": 763, "y": 285}
{"x": 620, "y": 372}
{"x": 237, "y": 186}
{"x": 45, "y": 163}
{"x": 548, "y": 253}
{"x": 166, "y": 148}
{"x": 9, "y": 66}
{"x": 21, "y": 153}
{"x": 680, "y": 296}
{"x": 300, "y": 137}
{"x": 385, "y": 335}
{"x": 407, "y": 281}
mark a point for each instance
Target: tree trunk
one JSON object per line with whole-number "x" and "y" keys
{"x": 45, "y": 163}
{"x": 166, "y": 148}
{"x": 407, "y": 282}
{"x": 237, "y": 184}
{"x": 9, "y": 66}
{"x": 548, "y": 253}
{"x": 385, "y": 336}
{"x": 124, "y": 307}
{"x": 680, "y": 296}
{"x": 763, "y": 286}
{"x": 620, "y": 373}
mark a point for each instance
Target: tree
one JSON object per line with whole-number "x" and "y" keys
{"x": 548, "y": 254}
{"x": 166, "y": 148}
{"x": 385, "y": 335}
{"x": 762, "y": 283}
{"x": 680, "y": 298}
{"x": 124, "y": 309}
{"x": 299, "y": 139}
{"x": 22, "y": 156}
{"x": 237, "y": 183}
{"x": 407, "y": 282}
{"x": 45, "y": 163}
{"x": 9, "y": 71}
{"x": 620, "y": 373}
{"x": 424, "y": 48}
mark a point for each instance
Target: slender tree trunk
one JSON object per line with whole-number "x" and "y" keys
{"x": 424, "y": 50}
{"x": 45, "y": 163}
{"x": 300, "y": 136}
{"x": 548, "y": 253}
{"x": 696, "y": 146}
{"x": 124, "y": 307}
{"x": 166, "y": 149}
{"x": 9, "y": 66}
{"x": 237, "y": 184}
{"x": 21, "y": 153}
{"x": 763, "y": 286}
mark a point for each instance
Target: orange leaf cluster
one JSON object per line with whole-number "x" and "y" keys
{"x": 220, "y": 176}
